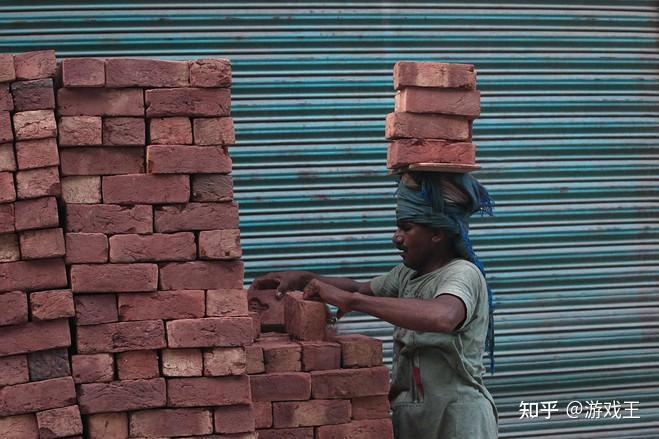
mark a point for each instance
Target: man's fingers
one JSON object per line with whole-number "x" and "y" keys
{"x": 311, "y": 290}
{"x": 266, "y": 282}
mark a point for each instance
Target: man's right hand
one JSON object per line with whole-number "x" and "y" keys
{"x": 282, "y": 281}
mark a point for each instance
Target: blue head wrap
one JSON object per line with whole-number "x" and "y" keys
{"x": 446, "y": 201}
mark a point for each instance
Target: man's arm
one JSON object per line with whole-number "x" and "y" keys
{"x": 285, "y": 281}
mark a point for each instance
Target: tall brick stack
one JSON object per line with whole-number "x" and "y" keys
{"x": 37, "y": 394}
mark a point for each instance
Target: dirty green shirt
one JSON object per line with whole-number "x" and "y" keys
{"x": 447, "y": 399}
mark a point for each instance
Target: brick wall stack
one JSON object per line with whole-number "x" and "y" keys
{"x": 432, "y": 123}
{"x": 37, "y": 393}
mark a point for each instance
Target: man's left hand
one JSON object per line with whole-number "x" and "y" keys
{"x": 330, "y": 294}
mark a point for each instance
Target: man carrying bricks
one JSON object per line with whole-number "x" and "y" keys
{"x": 438, "y": 300}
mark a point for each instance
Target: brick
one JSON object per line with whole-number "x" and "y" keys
{"x": 225, "y": 361}
{"x": 34, "y": 275}
{"x": 171, "y": 422}
{"x": 7, "y": 159}
{"x": 132, "y": 72}
{"x": 212, "y": 187}
{"x": 164, "y": 305}
{"x": 19, "y": 427}
{"x": 92, "y": 368}
{"x": 42, "y": 243}
{"x": 359, "y": 351}
{"x": 465, "y": 103}
{"x": 403, "y": 152}
{"x": 80, "y": 130}
{"x": 6, "y": 100}
{"x": 61, "y": 422}
{"x": 40, "y": 213}
{"x": 135, "y": 365}
{"x": 270, "y": 309}
{"x": 430, "y": 126}
{"x": 92, "y": 309}
{"x": 226, "y": 303}
{"x": 124, "y": 131}
{"x": 209, "y": 332}
{"x": 37, "y": 124}
{"x": 234, "y": 419}
{"x": 199, "y": 102}
{"x": 48, "y": 364}
{"x": 287, "y": 433}
{"x": 198, "y": 275}
{"x": 282, "y": 356}
{"x": 187, "y": 159}
{"x": 14, "y": 306}
{"x": 282, "y": 386}
{"x": 305, "y": 319}
{"x": 182, "y": 362}
{"x": 37, "y": 94}
{"x": 86, "y": 248}
{"x": 35, "y": 183}
{"x": 170, "y": 131}
{"x": 214, "y": 131}
{"x": 255, "y": 362}
{"x": 35, "y": 397}
{"x": 256, "y": 324}
{"x": 311, "y": 413}
{"x": 83, "y": 72}
{"x": 100, "y": 102}
{"x": 431, "y": 74}
{"x": 13, "y": 370}
{"x": 7, "y": 69}
{"x": 51, "y": 305}
{"x": 262, "y": 414}
{"x": 9, "y": 249}
{"x": 105, "y": 278}
{"x": 146, "y": 189}
{"x": 41, "y": 153}
{"x": 196, "y": 216}
{"x": 82, "y": 189}
{"x": 121, "y": 337}
{"x": 320, "y": 355}
{"x": 102, "y": 160}
{"x": 107, "y": 425}
{"x": 7, "y": 187}
{"x": 365, "y": 429}
{"x": 35, "y": 65}
{"x": 6, "y": 132}
{"x": 120, "y": 396}
{"x": 7, "y": 218}
{"x": 207, "y": 391}
{"x": 350, "y": 383}
{"x": 220, "y": 244}
{"x": 111, "y": 219}
{"x": 370, "y": 407}
{"x": 210, "y": 73}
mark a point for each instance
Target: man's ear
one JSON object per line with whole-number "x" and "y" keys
{"x": 438, "y": 235}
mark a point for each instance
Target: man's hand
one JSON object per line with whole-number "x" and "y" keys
{"x": 282, "y": 281}
{"x": 330, "y": 294}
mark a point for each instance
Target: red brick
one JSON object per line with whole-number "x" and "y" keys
{"x": 214, "y": 131}
{"x": 48, "y": 364}
{"x": 198, "y": 275}
{"x": 199, "y": 102}
{"x": 124, "y": 131}
{"x": 102, "y": 160}
{"x": 120, "y": 396}
{"x": 171, "y": 422}
{"x": 37, "y": 94}
{"x": 19, "y": 427}
{"x": 83, "y": 72}
{"x": 170, "y": 131}
{"x": 40, "y": 213}
{"x": 164, "y": 305}
{"x": 37, "y": 124}
{"x": 196, "y": 216}
{"x": 305, "y": 319}
{"x": 210, "y": 73}
{"x": 283, "y": 386}
{"x": 107, "y": 425}
{"x": 465, "y": 103}
{"x": 433, "y": 74}
{"x": 7, "y": 159}
{"x": 212, "y": 187}
{"x": 80, "y": 130}
{"x": 7, "y": 188}
{"x": 256, "y": 324}
{"x": 270, "y": 309}
{"x": 365, "y": 429}
{"x": 34, "y": 336}
{"x": 350, "y": 383}
{"x": 13, "y": 370}
{"x": 132, "y": 72}
{"x": 220, "y": 244}
{"x": 254, "y": 359}
{"x": 51, "y": 305}
{"x": 370, "y": 407}
{"x": 6, "y": 100}
{"x": 359, "y": 351}
{"x": 207, "y": 391}
{"x": 92, "y": 309}
{"x": 92, "y": 368}
{"x": 320, "y": 355}
{"x": 430, "y": 126}
{"x": 6, "y": 132}
{"x": 7, "y": 218}
{"x": 234, "y": 419}
{"x": 282, "y": 356}
{"x": 100, "y": 102}
{"x": 34, "y": 397}
{"x": 61, "y": 422}
{"x": 106, "y": 278}
{"x": 81, "y": 189}
{"x": 40, "y": 274}
{"x": 107, "y": 218}
{"x": 35, "y": 183}
{"x": 35, "y": 65}
{"x": 225, "y": 361}
{"x": 146, "y": 189}
{"x": 135, "y": 365}
{"x": 86, "y": 248}
{"x": 182, "y": 362}
{"x": 43, "y": 243}
{"x": 263, "y": 414}
{"x": 287, "y": 433}
{"x": 9, "y": 249}
{"x": 209, "y": 332}
{"x": 7, "y": 70}
{"x": 187, "y": 159}
{"x": 226, "y": 303}
{"x": 403, "y": 152}
{"x": 121, "y": 337}
{"x": 310, "y": 413}
{"x": 41, "y": 153}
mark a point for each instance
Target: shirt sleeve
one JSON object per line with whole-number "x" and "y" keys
{"x": 465, "y": 282}
{"x": 387, "y": 285}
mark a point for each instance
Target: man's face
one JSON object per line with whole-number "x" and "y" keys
{"x": 415, "y": 242}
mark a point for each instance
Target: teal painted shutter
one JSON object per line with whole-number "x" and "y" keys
{"x": 568, "y": 140}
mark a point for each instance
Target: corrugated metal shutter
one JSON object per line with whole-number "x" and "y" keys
{"x": 568, "y": 141}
